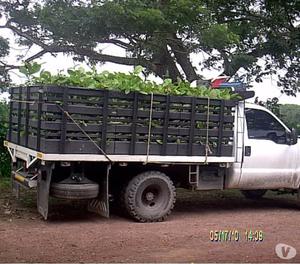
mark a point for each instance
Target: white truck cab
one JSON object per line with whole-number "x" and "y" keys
{"x": 271, "y": 153}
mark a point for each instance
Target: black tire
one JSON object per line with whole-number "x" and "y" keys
{"x": 254, "y": 194}
{"x": 149, "y": 197}
{"x": 74, "y": 191}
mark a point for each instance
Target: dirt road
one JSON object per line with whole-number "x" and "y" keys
{"x": 72, "y": 235}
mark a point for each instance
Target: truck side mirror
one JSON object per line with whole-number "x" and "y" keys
{"x": 292, "y": 137}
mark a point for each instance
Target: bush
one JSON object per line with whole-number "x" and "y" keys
{"x": 4, "y": 156}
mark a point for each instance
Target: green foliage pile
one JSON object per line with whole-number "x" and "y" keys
{"x": 121, "y": 81}
{"x": 4, "y": 156}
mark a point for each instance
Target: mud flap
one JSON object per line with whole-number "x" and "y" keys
{"x": 43, "y": 188}
{"x": 100, "y": 205}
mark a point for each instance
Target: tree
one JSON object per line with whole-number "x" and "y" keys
{"x": 162, "y": 34}
{"x": 4, "y": 156}
{"x": 290, "y": 115}
{"x": 272, "y": 104}
{"x": 4, "y": 68}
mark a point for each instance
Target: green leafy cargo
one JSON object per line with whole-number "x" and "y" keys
{"x": 125, "y": 82}
{"x": 113, "y": 109}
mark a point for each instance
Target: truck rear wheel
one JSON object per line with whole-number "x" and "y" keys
{"x": 74, "y": 191}
{"x": 253, "y": 194}
{"x": 149, "y": 197}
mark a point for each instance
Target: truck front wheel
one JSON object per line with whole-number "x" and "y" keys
{"x": 253, "y": 194}
{"x": 149, "y": 197}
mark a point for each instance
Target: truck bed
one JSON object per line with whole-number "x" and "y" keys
{"x": 75, "y": 123}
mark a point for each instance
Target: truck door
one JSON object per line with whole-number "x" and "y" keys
{"x": 269, "y": 161}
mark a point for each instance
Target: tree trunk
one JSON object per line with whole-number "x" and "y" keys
{"x": 164, "y": 65}
{"x": 182, "y": 57}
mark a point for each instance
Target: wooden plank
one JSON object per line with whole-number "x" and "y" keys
{"x": 10, "y": 118}
{"x": 221, "y": 127}
{"x": 134, "y": 123}
{"x": 27, "y": 116}
{"x": 172, "y": 115}
{"x": 19, "y": 115}
{"x": 73, "y": 109}
{"x": 32, "y": 107}
{"x": 74, "y": 91}
{"x": 103, "y": 129}
{"x": 165, "y": 131}
{"x": 64, "y": 119}
{"x": 192, "y": 127}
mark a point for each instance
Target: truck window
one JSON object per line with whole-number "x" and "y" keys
{"x": 262, "y": 125}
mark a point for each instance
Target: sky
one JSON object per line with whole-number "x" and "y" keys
{"x": 266, "y": 89}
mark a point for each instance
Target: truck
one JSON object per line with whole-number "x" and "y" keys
{"x": 135, "y": 149}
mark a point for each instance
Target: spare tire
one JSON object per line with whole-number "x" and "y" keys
{"x": 74, "y": 191}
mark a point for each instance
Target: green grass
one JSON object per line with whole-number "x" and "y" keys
{"x": 5, "y": 162}
{"x": 27, "y": 197}
{"x": 5, "y": 184}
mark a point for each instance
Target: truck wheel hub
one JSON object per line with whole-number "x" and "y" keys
{"x": 150, "y": 196}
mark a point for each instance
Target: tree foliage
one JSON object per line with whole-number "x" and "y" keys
{"x": 161, "y": 35}
{"x": 4, "y": 156}
{"x": 290, "y": 115}
{"x": 271, "y": 103}
{"x": 4, "y": 51}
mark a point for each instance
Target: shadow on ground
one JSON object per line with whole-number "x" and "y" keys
{"x": 188, "y": 202}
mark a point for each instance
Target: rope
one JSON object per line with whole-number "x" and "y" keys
{"x": 149, "y": 129}
{"x": 96, "y": 145}
{"x": 207, "y": 147}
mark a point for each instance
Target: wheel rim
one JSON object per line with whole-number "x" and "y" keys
{"x": 153, "y": 197}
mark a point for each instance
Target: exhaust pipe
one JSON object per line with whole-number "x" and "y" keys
{"x": 26, "y": 180}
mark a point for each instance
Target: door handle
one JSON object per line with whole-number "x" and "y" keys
{"x": 247, "y": 151}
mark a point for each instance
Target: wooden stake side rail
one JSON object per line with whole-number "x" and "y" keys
{"x": 119, "y": 122}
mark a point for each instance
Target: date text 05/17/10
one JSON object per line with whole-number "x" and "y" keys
{"x": 236, "y": 235}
